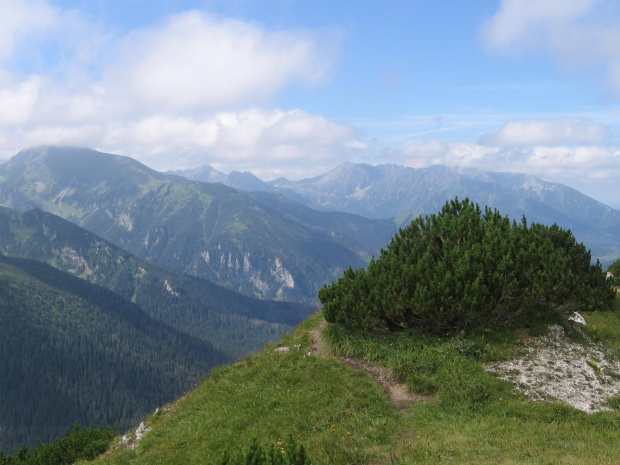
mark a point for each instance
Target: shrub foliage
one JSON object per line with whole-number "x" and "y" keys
{"x": 464, "y": 268}
{"x": 614, "y": 269}
{"x": 79, "y": 443}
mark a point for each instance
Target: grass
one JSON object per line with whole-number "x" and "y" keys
{"x": 341, "y": 415}
{"x": 337, "y": 413}
{"x": 476, "y": 418}
{"x": 605, "y": 326}
{"x": 514, "y": 432}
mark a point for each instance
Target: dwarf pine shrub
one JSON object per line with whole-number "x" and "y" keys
{"x": 78, "y": 443}
{"x": 614, "y": 269}
{"x": 468, "y": 269}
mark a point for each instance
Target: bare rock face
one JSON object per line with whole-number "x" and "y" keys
{"x": 557, "y": 369}
{"x": 130, "y": 441}
{"x": 577, "y": 318}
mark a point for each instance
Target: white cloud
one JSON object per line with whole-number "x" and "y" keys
{"x": 357, "y": 145}
{"x": 524, "y": 23}
{"x": 198, "y": 61}
{"x": 17, "y": 102}
{"x": 467, "y": 154}
{"x": 192, "y": 64}
{"x": 531, "y": 159}
{"x": 547, "y": 132}
{"x": 577, "y": 33}
{"x": 245, "y": 140}
{"x": 78, "y": 135}
{"x": 416, "y": 154}
{"x": 271, "y": 142}
{"x": 21, "y": 19}
{"x": 185, "y": 88}
{"x": 301, "y": 127}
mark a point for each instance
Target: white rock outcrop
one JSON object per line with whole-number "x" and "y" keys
{"x": 557, "y": 369}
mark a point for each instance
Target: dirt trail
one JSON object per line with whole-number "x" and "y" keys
{"x": 398, "y": 393}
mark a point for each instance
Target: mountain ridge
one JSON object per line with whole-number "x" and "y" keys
{"x": 403, "y": 193}
{"x": 203, "y": 229}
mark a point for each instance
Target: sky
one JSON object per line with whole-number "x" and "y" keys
{"x": 294, "y": 88}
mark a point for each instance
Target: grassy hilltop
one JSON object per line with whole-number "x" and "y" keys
{"x": 434, "y": 354}
{"x": 461, "y": 414}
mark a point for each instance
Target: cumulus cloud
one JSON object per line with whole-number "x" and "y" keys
{"x": 193, "y": 63}
{"x": 532, "y": 159}
{"x": 417, "y": 154}
{"x": 238, "y": 140}
{"x": 78, "y": 135}
{"x": 268, "y": 142}
{"x": 17, "y": 102}
{"x": 524, "y": 23}
{"x": 576, "y": 33}
{"x": 182, "y": 92}
{"x": 200, "y": 61}
{"x": 547, "y": 132}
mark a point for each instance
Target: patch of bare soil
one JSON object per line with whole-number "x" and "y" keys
{"x": 398, "y": 393}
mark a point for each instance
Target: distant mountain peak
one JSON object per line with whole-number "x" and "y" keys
{"x": 78, "y": 163}
{"x": 393, "y": 191}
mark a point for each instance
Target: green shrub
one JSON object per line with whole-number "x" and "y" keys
{"x": 81, "y": 442}
{"x": 614, "y": 269}
{"x": 465, "y": 269}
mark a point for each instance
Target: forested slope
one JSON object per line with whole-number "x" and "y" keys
{"x": 71, "y": 351}
{"x": 234, "y": 322}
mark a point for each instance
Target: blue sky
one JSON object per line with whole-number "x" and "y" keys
{"x": 294, "y": 88}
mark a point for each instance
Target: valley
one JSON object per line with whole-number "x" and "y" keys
{"x": 72, "y": 351}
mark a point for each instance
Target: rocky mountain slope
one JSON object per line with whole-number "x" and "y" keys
{"x": 203, "y": 229}
{"x": 238, "y": 324}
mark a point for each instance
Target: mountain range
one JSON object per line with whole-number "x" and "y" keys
{"x": 402, "y": 193}
{"x": 194, "y": 264}
{"x": 203, "y": 229}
